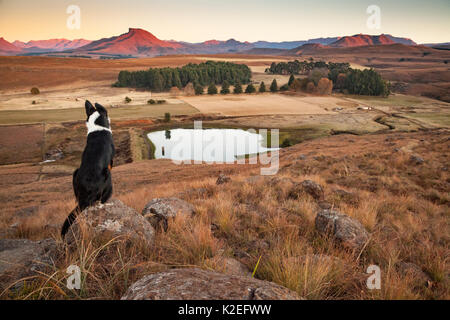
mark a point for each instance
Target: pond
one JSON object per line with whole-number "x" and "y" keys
{"x": 209, "y": 145}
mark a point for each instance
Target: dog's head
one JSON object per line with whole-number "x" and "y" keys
{"x": 97, "y": 117}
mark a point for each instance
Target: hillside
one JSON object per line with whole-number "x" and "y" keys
{"x": 51, "y": 44}
{"x": 141, "y": 43}
{"x": 7, "y": 48}
{"x": 377, "y": 180}
{"x": 136, "y": 42}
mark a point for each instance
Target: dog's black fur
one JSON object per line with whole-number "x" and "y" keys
{"x": 92, "y": 180}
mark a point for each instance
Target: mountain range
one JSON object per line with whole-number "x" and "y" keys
{"x": 141, "y": 43}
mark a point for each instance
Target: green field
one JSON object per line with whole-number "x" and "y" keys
{"x": 75, "y": 114}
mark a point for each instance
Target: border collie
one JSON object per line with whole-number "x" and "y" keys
{"x": 92, "y": 180}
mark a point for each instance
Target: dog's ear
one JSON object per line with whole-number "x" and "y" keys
{"x": 101, "y": 109}
{"x": 90, "y": 109}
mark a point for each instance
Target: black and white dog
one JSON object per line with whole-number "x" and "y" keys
{"x": 92, "y": 180}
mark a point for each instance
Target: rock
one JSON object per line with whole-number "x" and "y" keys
{"x": 414, "y": 271}
{"x": 349, "y": 232}
{"x": 309, "y": 187}
{"x": 416, "y": 160}
{"x": 20, "y": 258}
{"x": 158, "y": 211}
{"x": 113, "y": 219}
{"x": 54, "y": 154}
{"x": 301, "y": 157}
{"x": 197, "y": 284}
{"x": 222, "y": 179}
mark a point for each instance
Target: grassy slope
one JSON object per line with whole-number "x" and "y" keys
{"x": 404, "y": 207}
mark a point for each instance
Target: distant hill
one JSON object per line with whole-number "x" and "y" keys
{"x": 293, "y": 44}
{"x": 141, "y": 43}
{"x": 50, "y": 45}
{"x": 7, "y": 48}
{"x": 359, "y": 40}
{"x": 441, "y": 46}
{"x": 136, "y": 42}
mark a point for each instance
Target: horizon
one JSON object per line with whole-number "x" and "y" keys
{"x": 210, "y": 20}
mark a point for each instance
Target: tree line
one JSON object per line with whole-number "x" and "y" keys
{"x": 203, "y": 74}
{"x": 344, "y": 78}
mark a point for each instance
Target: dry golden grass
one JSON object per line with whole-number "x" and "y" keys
{"x": 404, "y": 207}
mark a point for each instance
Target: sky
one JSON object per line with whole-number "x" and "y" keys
{"x": 244, "y": 20}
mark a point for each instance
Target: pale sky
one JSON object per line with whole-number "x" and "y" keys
{"x": 244, "y": 20}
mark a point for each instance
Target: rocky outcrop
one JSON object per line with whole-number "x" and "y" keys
{"x": 158, "y": 211}
{"x": 347, "y": 231}
{"x": 113, "y": 219}
{"x": 197, "y": 284}
{"x": 310, "y": 187}
{"x": 20, "y": 258}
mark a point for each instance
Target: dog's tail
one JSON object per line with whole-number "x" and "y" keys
{"x": 69, "y": 220}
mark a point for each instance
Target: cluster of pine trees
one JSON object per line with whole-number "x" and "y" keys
{"x": 366, "y": 82}
{"x": 203, "y": 74}
{"x": 344, "y": 78}
{"x": 304, "y": 67}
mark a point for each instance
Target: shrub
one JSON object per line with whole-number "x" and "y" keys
{"x": 174, "y": 91}
{"x": 262, "y": 87}
{"x": 198, "y": 89}
{"x": 316, "y": 74}
{"x": 33, "y": 102}
{"x": 167, "y": 117}
{"x": 225, "y": 88}
{"x": 310, "y": 87}
{"x": 127, "y": 99}
{"x": 151, "y": 101}
{"x": 291, "y": 80}
{"x": 160, "y": 101}
{"x": 189, "y": 89}
{"x": 274, "y": 86}
{"x": 35, "y": 90}
{"x": 237, "y": 88}
{"x": 325, "y": 86}
{"x": 250, "y": 89}
{"x": 286, "y": 143}
{"x": 297, "y": 85}
{"x": 284, "y": 87}
{"x": 212, "y": 89}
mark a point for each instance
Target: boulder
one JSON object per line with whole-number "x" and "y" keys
{"x": 197, "y": 284}
{"x": 20, "y": 258}
{"x": 414, "y": 159}
{"x": 349, "y": 232}
{"x": 222, "y": 179}
{"x": 310, "y": 187}
{"x": 113, "y": 219}
{"x": 158, "y": 211}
